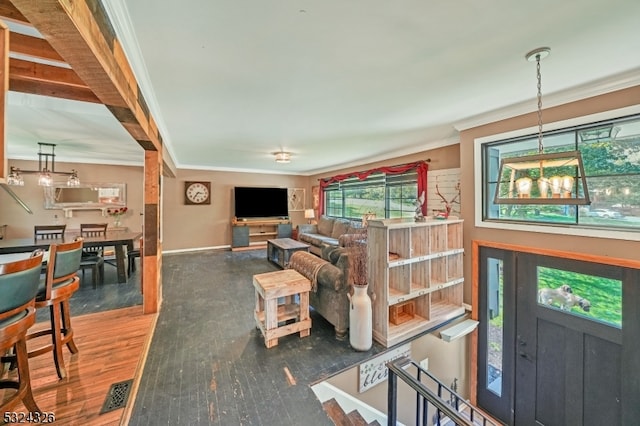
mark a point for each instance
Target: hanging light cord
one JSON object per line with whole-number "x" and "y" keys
{"x": 540, "y": 145}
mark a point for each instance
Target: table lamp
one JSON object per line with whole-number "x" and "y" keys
{"x": 309, "y": 214}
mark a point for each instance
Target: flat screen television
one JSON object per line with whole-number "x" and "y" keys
{"x": 254, "y": 202}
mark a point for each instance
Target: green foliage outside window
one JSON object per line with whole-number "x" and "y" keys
{"x": 604, "y": 294}
{"x": 611, "y": 157}
{"x": 384, "y": 199}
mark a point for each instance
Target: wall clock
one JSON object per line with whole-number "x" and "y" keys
{"x": 197, "y": 192}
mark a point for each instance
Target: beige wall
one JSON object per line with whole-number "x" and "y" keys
{"x": 447, "y": 361}
{"x": 192, "y": 227}
{"x": 447, "y": 157}
{"x": 587, "y": 245}
{"x": 20, "y": 223}
{"x": 184, "y": 226}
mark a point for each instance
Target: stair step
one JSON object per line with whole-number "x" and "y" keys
{"x": 356, "y": 418}
{"x": 340, "y": 418}
{"x": 336, "y": 413}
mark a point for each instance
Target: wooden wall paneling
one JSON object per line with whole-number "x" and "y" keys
{"x": 447, "y": 180}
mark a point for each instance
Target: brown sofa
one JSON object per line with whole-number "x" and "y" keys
{"x": 330, "y": 284}
{"x": 326, "y": 233}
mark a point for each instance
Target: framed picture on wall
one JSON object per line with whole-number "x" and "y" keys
{"x": 315, "y": 194}
{"x": 296, "y": 199}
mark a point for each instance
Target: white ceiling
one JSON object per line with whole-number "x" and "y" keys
{"x": 334, "y": 82}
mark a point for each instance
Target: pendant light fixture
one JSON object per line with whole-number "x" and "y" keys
{"x": 46, "y": 159}
{"x": 543, "y": 178}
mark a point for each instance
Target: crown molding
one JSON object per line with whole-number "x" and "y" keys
{"x": 599, "y": 87}
{"x": 123, "y": 26}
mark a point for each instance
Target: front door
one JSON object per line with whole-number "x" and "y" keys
{"x": 575, "y": 349}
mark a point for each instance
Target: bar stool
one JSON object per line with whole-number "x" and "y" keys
{"x": 57, "y": 287}
{"x": 18, "y": 288}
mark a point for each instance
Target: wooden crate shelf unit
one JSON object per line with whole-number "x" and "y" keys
{"x": 416, "y": 271}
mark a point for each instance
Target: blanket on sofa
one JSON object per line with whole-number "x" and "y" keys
{"x": 307, "y": 265}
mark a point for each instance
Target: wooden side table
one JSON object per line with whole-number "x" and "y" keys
{"x": 269, "y": 313}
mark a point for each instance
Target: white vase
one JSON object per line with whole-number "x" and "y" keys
{"x": 360, "y": 319}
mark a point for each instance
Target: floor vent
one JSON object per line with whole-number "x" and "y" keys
{"x": 117, "y": 396}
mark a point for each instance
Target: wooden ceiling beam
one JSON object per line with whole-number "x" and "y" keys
{"x": 9, "y": 12}
{"x": 44, "y": 88}
{"x": 81, "y": 33}
{"x": 33, "y": 46}
{"x": 48, "y": 80}
{"x": 34, "y": 71}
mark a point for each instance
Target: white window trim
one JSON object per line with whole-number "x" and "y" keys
{"x": 547, "y": 229}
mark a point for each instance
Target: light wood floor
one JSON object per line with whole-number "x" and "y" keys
{"x": 112, "y": 346}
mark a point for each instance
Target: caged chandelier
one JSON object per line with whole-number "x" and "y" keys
{"x": 46, "y": 159}
{"x": 542, "y": 178}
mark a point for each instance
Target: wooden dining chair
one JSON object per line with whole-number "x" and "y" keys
{"x": 19, "y": 283}
{"x": 56, "y": 288}
{"x": 48, "y": 232}
{"x": 93, "y": 257}
{"x": 132, "y": 255}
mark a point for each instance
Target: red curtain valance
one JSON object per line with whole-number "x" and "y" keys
{"x": 421, "y": 168}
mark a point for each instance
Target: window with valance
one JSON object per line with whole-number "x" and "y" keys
{"x": 387, "y": 192}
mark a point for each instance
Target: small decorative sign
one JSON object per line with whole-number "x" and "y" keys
{"x": 375, "y": 371}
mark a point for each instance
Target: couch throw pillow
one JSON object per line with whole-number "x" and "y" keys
{"x": 339, "y": 227}
{"x": 325, "y": 225}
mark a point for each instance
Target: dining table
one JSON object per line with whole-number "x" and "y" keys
{"x": 118, "y": 239}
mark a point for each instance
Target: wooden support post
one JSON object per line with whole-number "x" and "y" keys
{"x": 4, "y": 86}
{"x": 152, "y": 246}
{"x": 79, "y": 31}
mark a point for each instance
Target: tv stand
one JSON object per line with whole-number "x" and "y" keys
{"x": 249, "y": 234}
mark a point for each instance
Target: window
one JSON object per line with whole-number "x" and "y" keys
{"x": 385, "y": 195}
{"x": 611, "y": 155}
{"x": 590, "y": 296}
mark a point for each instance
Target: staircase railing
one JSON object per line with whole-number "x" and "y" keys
{"x": 450, "y": 408}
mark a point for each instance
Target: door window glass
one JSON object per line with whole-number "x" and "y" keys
{"x": 590, "y": 296}
{"x": 495, "y": 325}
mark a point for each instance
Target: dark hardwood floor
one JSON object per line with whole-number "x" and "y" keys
{"x": 108, "y": 296}
{"x": 208, "y": 364}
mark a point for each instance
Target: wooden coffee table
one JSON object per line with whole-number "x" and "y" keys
{"x": 279, "y": 250}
